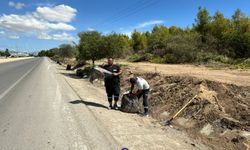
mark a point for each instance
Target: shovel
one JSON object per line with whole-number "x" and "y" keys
{"x": 168, "y": 122}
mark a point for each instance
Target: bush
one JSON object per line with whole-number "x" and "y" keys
{"x": 203, "y": 57}
{"x": 243, "y": 64}
{"x": 139, "y": 58}
{"x": 170, "y": 58}
{"x": 148, "y": 56}
{"x": 134, "y": 58}
{"x": 223, "y": 59}
{"x": 208, "y": 57}
{"x": 157, "y": 59}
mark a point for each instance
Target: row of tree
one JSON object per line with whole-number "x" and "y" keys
{"x": 211, "y": 37}
{"x": 5, "y": 53}
{"x": 61, "y": 53}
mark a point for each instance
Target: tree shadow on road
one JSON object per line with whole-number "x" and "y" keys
{"x": 88, "y": 103}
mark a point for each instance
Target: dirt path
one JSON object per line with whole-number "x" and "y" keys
{"x": 130, "y": 130}
{"x": 237, "y": 77}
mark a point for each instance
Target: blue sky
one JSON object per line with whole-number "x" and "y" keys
{"x": 33, "y": 25}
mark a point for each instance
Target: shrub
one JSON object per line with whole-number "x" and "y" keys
{"x": 139, "y": 58}
{"x": 244, "y": 64}
{"x": 134, "y": 58}
{"x": 157, "y": 59}
{"x": 170, "y": 58}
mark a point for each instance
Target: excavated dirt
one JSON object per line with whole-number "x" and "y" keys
{"x": 219, "y": 117}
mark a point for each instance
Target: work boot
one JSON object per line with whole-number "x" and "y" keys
{"x": 110, "y": 106}
{"x": 115, "y": 107}
{"x": 145, "y": 114}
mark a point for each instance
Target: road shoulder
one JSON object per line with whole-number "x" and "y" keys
{"x": 5, "y": 60}
{"x": 130, "y": 130}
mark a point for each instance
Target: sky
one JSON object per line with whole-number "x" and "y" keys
{"x": 34, "y": 25}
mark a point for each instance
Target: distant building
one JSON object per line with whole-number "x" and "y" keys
{"x": 19, "y": 54}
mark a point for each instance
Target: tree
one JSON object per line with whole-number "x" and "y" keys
{"x": 116, "y": 45}
{"x": 66, "y": 51}
{"x": 158, "y": 38}
{"x": 139, "y": 41}
{"x": 203, "y": 21}
{"x": 2, "y": 53}
{"x": 174, "y": 30}
{"x": 220, "y": 25}
{"x": 219, "y": 28}
{"x": 90, "y": 46}
{"x": 181, "y": 48}
{"x": 7, "y": 53}
{"x": 42, "y": 53}
{"x": 52, "y": 52}
{"x": 239, "y": 35}
{"x": 236, "y": 19}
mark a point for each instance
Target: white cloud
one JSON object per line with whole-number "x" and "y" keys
{"x": 13, "y": 37}
{"x": 58, "y": 36}
{"x": 43, "y": 36}
{"x": 29, "y": 23}
{"x": 9, "y": 35}
{"x": 42, "y": 4}
{"x": 17, "y": 5}
{"x": 90, "y": 29}
{"x": 128, "y": 31}
{"x": 60, "y": 13}
{"x": 60, "y": 26}
{"x": 62, "y": 37}
{"x": 36, "y": 23}
{"x": 149, "y": 23}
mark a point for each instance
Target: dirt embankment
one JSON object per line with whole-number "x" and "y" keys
{"x": 219, "y": 117}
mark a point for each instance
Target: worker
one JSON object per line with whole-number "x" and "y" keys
{"x": 143, "y": 90}
{"x": 112, "y": 83}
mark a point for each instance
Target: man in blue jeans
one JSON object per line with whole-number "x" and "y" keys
{"x": 143, "y": 90}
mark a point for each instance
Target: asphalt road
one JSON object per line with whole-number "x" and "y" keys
{"x": 39, "y": 111}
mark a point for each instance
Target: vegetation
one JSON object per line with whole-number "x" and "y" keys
{"x": 211, "y": 39}
{"x": 61, "y": 53}
{"x": 5, "y": 53}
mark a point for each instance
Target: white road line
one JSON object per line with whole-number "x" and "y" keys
{"x": 13, "y": 85}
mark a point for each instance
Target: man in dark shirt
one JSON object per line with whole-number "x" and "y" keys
{"x": 112, "y": 83}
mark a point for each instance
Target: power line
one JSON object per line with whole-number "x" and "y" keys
{"x": 122, "y": 11}
{"x": 135, "y": 11}
{"x": 131, "y": 10}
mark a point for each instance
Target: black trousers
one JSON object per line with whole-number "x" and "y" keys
{"x": 112, "y": 89}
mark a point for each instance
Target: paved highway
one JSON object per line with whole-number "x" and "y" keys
{"x": 36, "y": 113}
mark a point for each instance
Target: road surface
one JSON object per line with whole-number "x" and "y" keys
{"x": 37, "y": 111}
